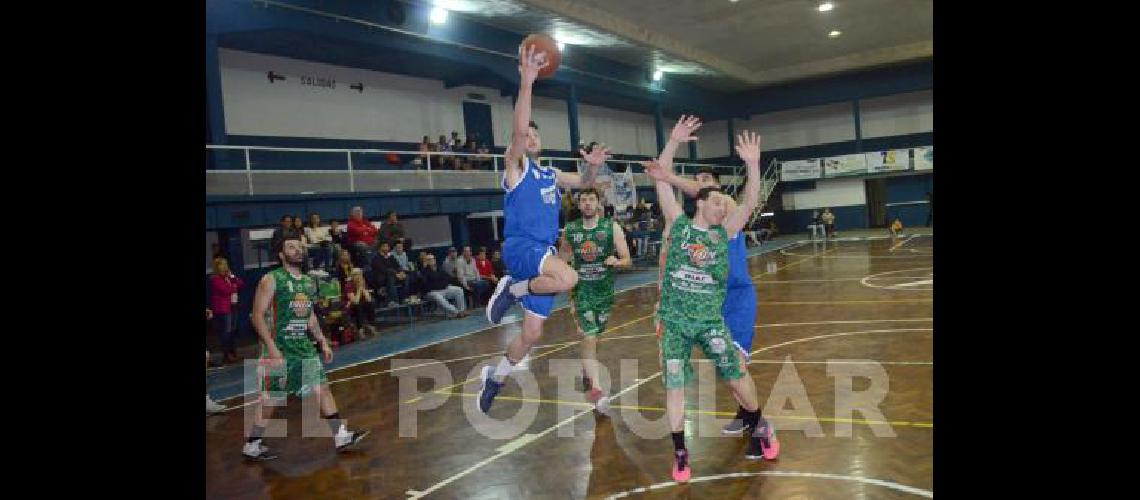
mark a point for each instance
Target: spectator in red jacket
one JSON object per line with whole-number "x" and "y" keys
{"x": 361, "y": 236}
{"x": 486, "y": 269}
{"x": 224, "y": 287}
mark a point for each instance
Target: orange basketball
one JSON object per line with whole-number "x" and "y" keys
{"x": 543, "y": 43}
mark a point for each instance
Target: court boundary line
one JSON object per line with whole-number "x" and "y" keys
{"x": 867, "y": 284}
{"x": 778, "y": 473}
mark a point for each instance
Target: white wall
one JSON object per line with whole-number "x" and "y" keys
{"x": 802, "y": 126}
{"x": 714, "y": 139}
{"x": 550, "y": 116}
{"x": 898, "y": 114}
{"x": 624, "y": 132}
{"x": 428, "y": 231}
{"x": 391, "y": 108}
{"x": 828, "y": 193}
{"x": 211, "y": 239}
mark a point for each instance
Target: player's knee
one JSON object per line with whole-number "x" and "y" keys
{"x": 531, "y": 336}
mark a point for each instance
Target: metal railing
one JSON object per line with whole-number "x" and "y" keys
{"x": 247, "y": 170}
{"x": 769, "y": 180}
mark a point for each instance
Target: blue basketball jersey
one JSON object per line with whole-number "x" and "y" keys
{"x": 531, "y": 207}
{"x": 738, "y": 262}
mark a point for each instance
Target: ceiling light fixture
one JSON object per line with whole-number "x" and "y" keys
{"x": 826, "y": 6}
{"x": 835, "y": 33}
{"x": 438, "y": 15}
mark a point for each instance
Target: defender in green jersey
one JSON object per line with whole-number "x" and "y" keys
{"x": 283, "y": 317}
{"x": 589, "y": 244}
{"x": 694, "y": 280}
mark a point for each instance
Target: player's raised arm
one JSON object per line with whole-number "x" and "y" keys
{"x": 594, "y": 161}
{"x": 662, "y": 168}
{"x": 748, "y": 147}
{"x": 530, "y": 63}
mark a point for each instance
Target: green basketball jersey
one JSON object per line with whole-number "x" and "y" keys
{"x": 695, "y": 275}
{"x": 289, "y": 313}
{"x": 591, "y": 248}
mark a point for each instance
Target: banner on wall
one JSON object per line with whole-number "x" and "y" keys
{"x": 839, "y": 166}
{"x": 624, "y": 194}
{"x": 924, "y": 158}
{"x": 604, "y": 182}
{"x": 799, "y": 170}
{"x": 617, "y": 189}
{"x": 892, "y": 160}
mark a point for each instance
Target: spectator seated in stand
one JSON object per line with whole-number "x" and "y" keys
{"x": 359, "y": 305}
{"x": 451, "y": 263}
{"x": 387, "y": 276}
{"x": 485, "y": 268}
{"x": 409, "y": 269}
{"x": 361, "y": 237}
{"x": 420, "y": 161}
{"x": 285, "y": 231}
{"x": 319, "y": 242}
{"x": 469, "y": 279}
{"x": 391, "y": 231}
{"x": 445, "y": 161}
{"x": 435, "y": 285}
{"x": 497, "y": 264}
{"x": 331, "y": 314}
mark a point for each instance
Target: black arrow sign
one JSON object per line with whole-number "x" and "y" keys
{"x": 358, "y": 87}
{"x": 274, "y": 76}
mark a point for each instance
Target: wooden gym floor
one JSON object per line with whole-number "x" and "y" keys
{"x": 826, "y": 312}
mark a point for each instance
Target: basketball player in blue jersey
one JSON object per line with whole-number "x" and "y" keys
{"x": 530, "y": 206}
{"x": 739, "y": 308}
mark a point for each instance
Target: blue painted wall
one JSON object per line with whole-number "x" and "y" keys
{"x": 846, "y": 218}
{"x": 910, "y": 188}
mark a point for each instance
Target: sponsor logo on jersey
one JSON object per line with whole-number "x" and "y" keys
{"x": 590, "y": 251}
{"x": 549, "y": 194}
{"x": 717, "y": 345}
{"x": 699, "y": 254}
{"x": 300, "y": 305}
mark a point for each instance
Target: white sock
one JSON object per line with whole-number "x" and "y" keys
{"x": 521, "y": 288}
{"x": 505, "y": 367}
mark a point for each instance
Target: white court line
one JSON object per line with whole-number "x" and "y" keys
{"x": 900, "y": 245}
{"x": 914, "y": 283}
{"x": 839, "y": 362}
{"x": 841, "y": 334}
{"x": 529, "y": 438}
{"x": 866, "y": 281}
{"x": 833, "y": 256}
{"x": 845, "y": 322}
{"x": 778, "y": 473}
{"x": 517, "y": 443}
{"x": 758, "y": 280}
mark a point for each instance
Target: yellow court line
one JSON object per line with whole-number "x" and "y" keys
{"x": 547, "y": 353}
{"x": 584, "y": 404}
{"x": 842, "y": 302}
